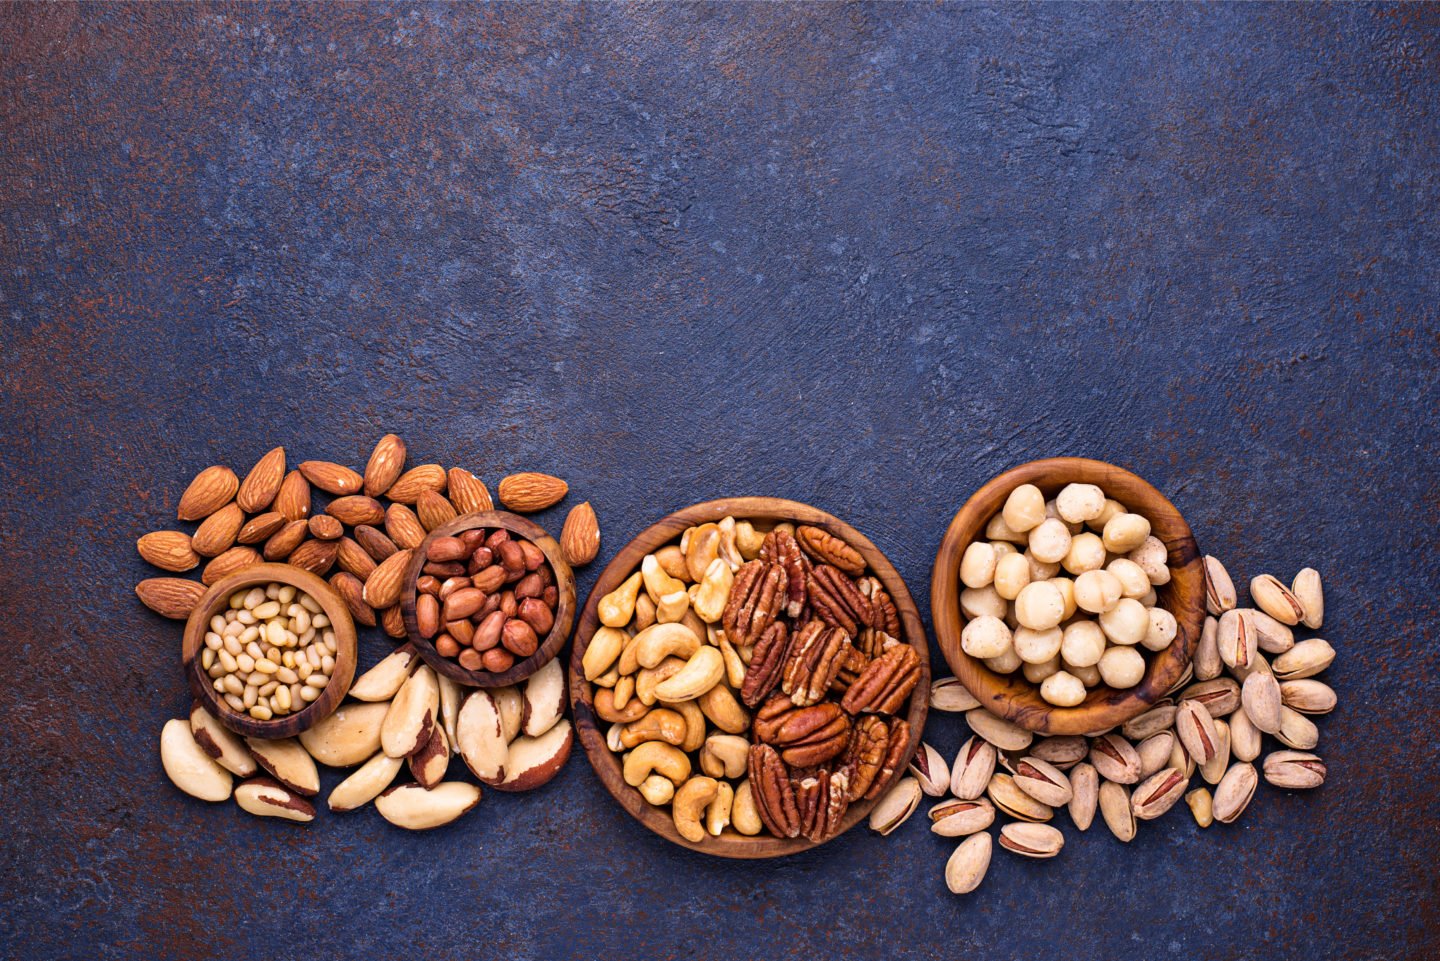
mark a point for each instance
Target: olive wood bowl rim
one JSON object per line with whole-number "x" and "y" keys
{"x": 1014, "y": 698}
{"x": 667, "y": 530}
{"x": 216, "y": 599}
{"x": 564, "y": 609}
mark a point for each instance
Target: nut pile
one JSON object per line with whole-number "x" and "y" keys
{"x": 733, "y": 619}
{"x": 1214, "y": 724}
{"x": 485, "y": 598}
{"x": 271, "y": 652}
{"x": 1066, "y": 634}
{"x": 364, "y": 535}
{"x": 401, "y": 715}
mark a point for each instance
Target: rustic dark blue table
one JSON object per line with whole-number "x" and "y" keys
{"x": 860, "y": 256}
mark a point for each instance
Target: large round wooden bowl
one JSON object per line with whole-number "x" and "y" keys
{"x": 564, "y": 611}
{"x": 217, "y": 599}
{"x": 591, "y": 729}
{"x": 1012, "y": 696}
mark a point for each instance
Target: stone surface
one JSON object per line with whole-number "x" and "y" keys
{"x": 861, "y": 256}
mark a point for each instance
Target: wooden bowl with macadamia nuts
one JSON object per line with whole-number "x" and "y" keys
{"x": 1066, "y": 570}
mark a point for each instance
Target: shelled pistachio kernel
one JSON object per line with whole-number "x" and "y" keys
{"x": 271, "y": 652}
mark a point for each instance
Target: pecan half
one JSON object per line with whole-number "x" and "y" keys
{"x": 885, "y": 684}
{"x": 755, "y": 601}
{"x": 837, "y": 601}
{"x": 774, "y": 794}
{"x": 826, "y": 548}
{"x": 779, "y": 547}
{"x": 816, "y": 655}
{"x": 895, "y": 757}
{"x": 767, "y": 664}
{"x": 885, "y": 616}
{"x": 822, "y": 799}
{"x": 865, "y": 754}
{"x": 805, "y": 736}
{"x": 854, "y": 663}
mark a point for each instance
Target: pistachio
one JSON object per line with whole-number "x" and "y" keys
{"x": 1032, "y": 840}
{"x": 1220, "y": 696}
{"x": 1308, "y": 591}
{"x": 930, "y": 769}
{"x": 1294, "y": 770}
{"x": 1296, "y": 730}
{"x": 1245, "y": 737}
{"x": 949, "y": 695}
{"x": 955, "y": 818}
{"x": 1201, "y": 806}
{"x": 1307, "y": 696}
{"x": 967, "y": 866}
{"x": 1275, "y": 599}
{"x": 1196, "y": 729}
{"x": 1219, "y": 589}
{"x": 1235, "y": 638}
{"x": 1261, "y": 699}
{"x": 895, "y": 806}
{"x": 1084, "y": 794}
{"x": 1180, "y": 759}
{"x": 1234, "y": 792}
{"x": 973, "y": 767}
{"x": 1008, "y": 797}
{"x": 1063, "y": 751}
{"x": 1305, "y": 659}
{"x": 1214, "y": 769}
{"x": 1042, "y": 781}
{"x": 1159, "y": 718}
{"x": 1115, "y": 810}
{"x": 1207, "y": 663}
{"x": 1271, "y": 636}
{"x": 1155, "y": 752}
{"x": 1183, "y": 680}
{"x": 998, "y": 731}
{"x": 1115, "y": 759}
{"x": 1158, "y": 793}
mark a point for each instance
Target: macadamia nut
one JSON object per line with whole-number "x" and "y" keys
{"x": 1127, "y": 623}
{"x": 1125, "y": 532}
{"x": 1039, "y": 606}
{"x": 1050, "y": 542}
{"x": 977, "y": 566}
{"x": 1121, "y": 667}
{"x": 1062, "y": 689}
{"x": 1024, "y": 508}
{"x": 1037, "y": 647}
{"x": 1012, "y": 573}
{"x": 1097, "y": 591}
{"x": 1081, "y": 644}
{"x": 985, "y": 637}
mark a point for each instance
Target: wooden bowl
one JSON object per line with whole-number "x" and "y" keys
{"x": 607, "y": 764}
{"x": 217, "y": 599}
{"x": 1012, "y": 696}
{"x": 564, "y": 611}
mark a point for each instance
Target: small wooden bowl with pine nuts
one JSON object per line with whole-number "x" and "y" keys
{"x": 1012, "y": 696}
{"x": 217, "y": 601}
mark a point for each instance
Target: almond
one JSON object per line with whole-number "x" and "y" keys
{"x": 168, "y": 550}
{"x": 376, "y": 544}
{"x": 386, "y": 462}
{"x": 284, "y": 541}
{"x": 356, "y": 509}
{"x": 417, "y": 808}
{"x": 172, "y": 597}
{"x": 293, "y": 501}
{"x": 580, "y": 537}
{"x": 355, "y": 560}
{"x": 261, "y": 526}
{"x": 332, "y": 478}
{"x": 235, "y": 559}
{"x": 258, "y": 489}
{"x": 314, "y": 556}
{"x": 384, "y": 587}
{"x": 326, "y": 528}
{"x": 426, "y": 477}
{"x": 434, "y": 510}
{"x": 468, "y": 493}
{"x": 216, "y": 533}
{"x": 392, "y": 620}
{"x": 404, "y": 527}
{"x": 212, "y": 489}
{"x": 352, "y": 592}
{"x": 528, "y": 492}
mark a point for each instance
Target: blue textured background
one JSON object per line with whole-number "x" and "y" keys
{"x": 861, "y": 256}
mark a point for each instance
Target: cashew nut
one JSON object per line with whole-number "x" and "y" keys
{"x": 729, "y": 550}
{"x": 724, "y": 755}
{"x": 659, "y": 725}
{"x": 628, "y": 664}
{"x": 695, "y": 724}
{"x": 734, "y": 666}
{"x": 660, "y": 641}
{"x": 748, "y": 540}
{"x": 717, "y": 814}
{"x": 624, "y": 690}
{"x": 722, "y": 707}
{"x": 617, "y": 607}
{"x": 605, "y": 647}
{"x": 672, "y": 607}
{"x": 672, "y": 561}
{"x": 656, "y": 757}
{"x": 711, "y": 594}
{"x": 644, "y": 612}
{"x": 744, "y": 816}
{"x": 703, "y": 671}
{"x": 658, "y": 583}
{"x": 612, "y": 738}
{"x": 657, "y": 790}
{"x": 702, "y": 547}
{"x": 608, "y": 679}
{"x": 692, "y": 621}
{"x": 647, "y": 680}
{"x": 691, "y": 800}
{"x": 605, "y": 708}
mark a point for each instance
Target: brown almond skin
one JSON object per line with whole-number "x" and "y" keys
{"x": 315, "y": 556}
{"x": 172, "y": 597}
{"x": 376, "y": 543}
{"x": 384, "y": 587}
{"x": 580, "y": 537}
{"x": 468, "y": 493}
{"x": 354, "y": 559}
{"x": 387, "y": 462}
{"x": 284, "y": 541}
{"x": 403, "y": 527}
{"x": 235, "y": 559}
{"x": 325, "y": 528}
{"x": 356, "y": 509}
{"x": 293, "y": 501}
{"x": 210, "y": 490}
{"x": 258, "y": 489}
{"x": 352, "y": 591}
{"x": 331, "y": 478}
{"x": 407, "y": 488}
{"x": 217, "y": 533}
{"x": 530, "y": 491}
{"x": 168, "y": 550}
{"x": 260, "y": 527}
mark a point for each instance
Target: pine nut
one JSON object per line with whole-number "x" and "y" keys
{"x": 249, "y": 634}
{"x": 300, "y": 623}
{"x": 327, "y": 664}
{"x": 320, "y": 620}
{"x": 237, "y": 600}
{"x": 285, "y": 594}
{"x": 246, "y": 662}
{"x": 317, "y": 681}
{"x": 254, "y": 598}
{"x": 309, "y": 603}
{"x": 254, "y": 650}
{"x": 257, "y": 663}
{"x": 213, "y": 641}
{"x": 227, "y": 660}
{"x": 236, "y": 705}
{"x": 308, "y": 694}
{"x": 303, "y": 670}
{"x": 245, "y": 617}
{"x": 282, "y": 698}
{"x": 266, "y": 666}
{"x": 272, "y": 589}
{"x": 251, "y": 696}
{"x": 267, "y": 610}
{"x": 217, "y": 623}
{"x": 260, "y": 713}
{"x": 268, "y": 688}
